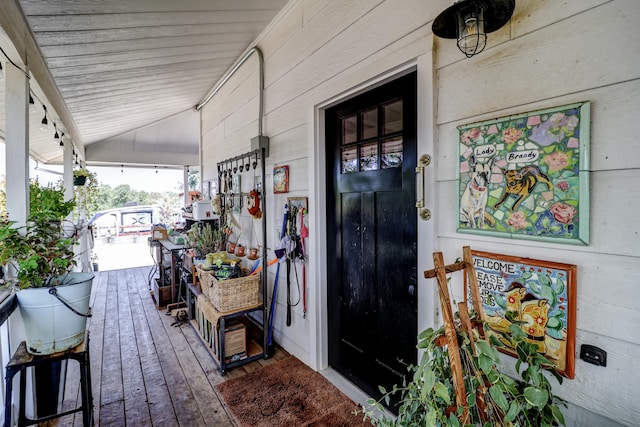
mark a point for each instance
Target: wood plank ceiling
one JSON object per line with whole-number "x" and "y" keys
{"x": 130, "y": 72}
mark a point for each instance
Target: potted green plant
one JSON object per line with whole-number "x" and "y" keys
{"x": 80, "y": 176}
{"x": 85, "y": 189}
{"x": 205, "y": 239}
{"x": 53, "y": 300}
{"x": 492, "y": 398}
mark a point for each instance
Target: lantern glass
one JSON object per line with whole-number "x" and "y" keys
{"x": 472, "y": 38}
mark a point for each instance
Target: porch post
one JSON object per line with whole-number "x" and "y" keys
{"x": 17, "y": 143}
{"x": 67, "y": 178}
{"x": 185, "y": 181}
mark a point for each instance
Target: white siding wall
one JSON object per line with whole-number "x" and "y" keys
{"x": 314, "y": 53}
{"x": 555, "y": 53}
{"x": 551, "y": 53}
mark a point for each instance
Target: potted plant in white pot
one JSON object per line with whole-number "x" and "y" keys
{"x": 53, "y": 300}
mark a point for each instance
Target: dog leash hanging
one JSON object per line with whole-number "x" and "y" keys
{"x": 304, "y": 233}
{"x": 289, "y": 254}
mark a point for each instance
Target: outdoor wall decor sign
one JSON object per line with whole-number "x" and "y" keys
{"x": 540, "y": 294}
{"x": 526, "y": 176}
{"x": 281, "y": 179}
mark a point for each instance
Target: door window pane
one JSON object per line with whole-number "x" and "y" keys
{"x": 349, "y": 129}
{"x": 369, "y": 157}
{"x": 369, "y": 123}
{"x": 392, "y": 117}
{"x": 349, "y": 160}
{"x": 391, "y": 153}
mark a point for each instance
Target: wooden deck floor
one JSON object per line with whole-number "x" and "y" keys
{"x": 145, "y": 371}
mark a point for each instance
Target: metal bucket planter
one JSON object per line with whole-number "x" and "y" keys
{"x": 55, "y": 318}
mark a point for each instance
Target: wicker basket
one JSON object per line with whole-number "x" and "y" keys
{"x": 231, "y": 294}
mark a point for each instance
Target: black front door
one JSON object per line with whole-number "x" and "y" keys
{"x": 371, "y": 234}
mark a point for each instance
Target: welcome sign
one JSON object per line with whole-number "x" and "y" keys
{"x": 539, "y": 294}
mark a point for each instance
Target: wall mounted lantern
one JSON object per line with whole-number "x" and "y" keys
{"x": 469, "y": 21}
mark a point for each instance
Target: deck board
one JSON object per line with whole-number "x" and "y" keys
{"x": 146, "y": 371}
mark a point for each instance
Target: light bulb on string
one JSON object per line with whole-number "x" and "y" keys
{"x": 32, "y": 104}
{"x": 44, "y": 124}
{"x": 156, "y": 168}
{"x": 55, "y": 135}
{"x": 61, "y": 139}
{"x": 1, "y": 72}
{"x": 121, "y": 168}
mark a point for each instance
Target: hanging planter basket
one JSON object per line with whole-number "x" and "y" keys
{"x": 55, "y": 318}
{"x": 79, "y": 180}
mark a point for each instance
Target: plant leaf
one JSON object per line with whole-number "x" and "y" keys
{"x": 431, "y": 418}
{"x": 557, "y": 414}
{"x": 485, "y": 363}
{"x": 471, "y": 399}
{"x": 498, "y": 396}
{"x": 495, "y": 341}
{"x": 514, "y": 408}
{"x": 493, "y": 376}
{"x": 453, "y": 421}
{"x": 516, "y": 332}
{"x": 536, "y": 397}
{"x": 443, "y": 392}
{"x": 485, "y": 348}
{"x": 429, "y": 380}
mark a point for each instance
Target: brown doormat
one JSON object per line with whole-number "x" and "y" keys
{"x": 287, "y": 393}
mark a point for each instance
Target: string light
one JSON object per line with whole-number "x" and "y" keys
{"x": 156, "y": 168}
{"x": 121, "y": 168}
{"x": 61, "y": 139}
{"x": 55, "y": 135}
{"x": 32, "y": 105}
{"x": 44, "y": 124}
{"x": 1, "y": 72}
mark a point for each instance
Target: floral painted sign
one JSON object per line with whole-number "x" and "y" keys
{"x": 538, "y": 296}
{"x": 526, "y": 176}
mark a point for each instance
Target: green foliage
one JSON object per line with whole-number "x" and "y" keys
{"x": 87, "y": 194}
{"x": 37, "y": 252}
{"x": 123, "y": 194}
{"x": 109, "y": 198}
{"x": 205, "y": 239}
{"x": 48, "y": 202}
{"x": 429, "y": 398}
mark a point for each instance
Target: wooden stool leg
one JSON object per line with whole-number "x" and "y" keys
{"x": 23, "y": 393}
{"x": 85, "y": 389}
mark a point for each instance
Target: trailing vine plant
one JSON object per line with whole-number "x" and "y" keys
{"x": 492, "y": 398}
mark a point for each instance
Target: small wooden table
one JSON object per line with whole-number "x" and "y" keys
{"x": 22, "y": 360}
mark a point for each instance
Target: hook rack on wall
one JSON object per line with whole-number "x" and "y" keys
{"x": 240, "y": 163}
{"x": 226, "y": 169}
